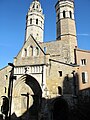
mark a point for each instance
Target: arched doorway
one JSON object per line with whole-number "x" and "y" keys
{"x": 60, "y": 109}
{"x": 26, "y": 99}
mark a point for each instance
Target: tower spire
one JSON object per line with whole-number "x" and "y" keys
{"x": 35, "y": 21}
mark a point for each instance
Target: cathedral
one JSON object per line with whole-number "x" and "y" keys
{"x": 45, "y": 75}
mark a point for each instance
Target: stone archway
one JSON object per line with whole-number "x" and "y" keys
{"x": 27, "y": 95}
{"x": 60, "y": 109}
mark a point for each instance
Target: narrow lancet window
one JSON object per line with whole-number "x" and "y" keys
{"x": 31, "y": 21}
{"x": 25, "y": 52}
{"x": 37, "y": 21}
{"x": 70, "y": 13}
{"x": 64, "y": 15}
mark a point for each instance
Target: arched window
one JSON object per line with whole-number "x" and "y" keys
{"x": 37, "y": 51}
{"x": 70, "y": 13}
{"x": 37, "y": 6}
{"x": 31, "y": 50}
{"x": 6, "y": 77}
{"x": 33, "y": 6}
{"x": 5, "y": 89}
{"x": 64, "y": 15}
{"x": 58, "y": 16}
{"x": 31, "y": 21}
{"x": 37, "y": 21}
{"x": 59, "y": 90}
{"x": 25, "y": 50}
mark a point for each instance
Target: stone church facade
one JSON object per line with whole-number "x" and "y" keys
{"x": 46, "y": 70}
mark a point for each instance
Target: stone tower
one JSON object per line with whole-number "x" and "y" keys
{"x": 65, "y": 24}
{"x": 35, "y": 21}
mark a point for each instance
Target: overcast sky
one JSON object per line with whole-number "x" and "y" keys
{"x": 12, "y": 25}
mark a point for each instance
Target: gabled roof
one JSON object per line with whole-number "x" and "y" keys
{"x": 38, "y": 45}
{"x": 31, "y": 38}
{"x": 3, "y": 68}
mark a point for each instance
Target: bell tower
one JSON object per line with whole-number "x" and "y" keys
{"x": 35, "y": 21}
{"x": 65, "y": 24}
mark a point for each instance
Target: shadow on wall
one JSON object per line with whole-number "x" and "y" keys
{"x": 76, "y": 106}
{"x": 23, "y": 88}
{"x": 60, "y": 109}
{"x": 79, "y": 100}
{"x": 71, "y": 85}
{"x": 31, "y": 113}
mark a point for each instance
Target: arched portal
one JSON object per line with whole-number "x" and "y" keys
{"x": 60, "y": 109}
{"x": 27, "y": 95}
